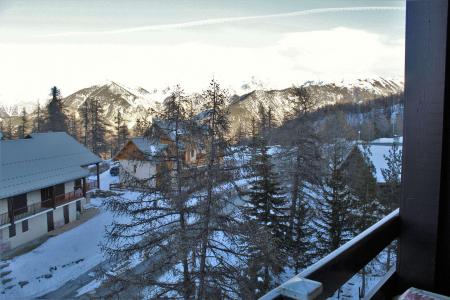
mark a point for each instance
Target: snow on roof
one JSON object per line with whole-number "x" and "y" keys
{"x": 389, "y": 141}
{"x": 42, "y": 160}
{"x": 378, "y": 150}
{"x": 148, "y": 146}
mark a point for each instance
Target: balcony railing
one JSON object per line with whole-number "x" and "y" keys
{"x": 4, "y": 219}
{"x": 325, "y": 277}
{"x": 65, "y": 198}
{"x": 91, "y": 184}
{"x": 23, "y": 212}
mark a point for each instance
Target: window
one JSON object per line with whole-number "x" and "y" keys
{"x": 19, "y": 204}
{"x": 78, "y": 206}
{"x": 134, "y": 168}
{"x": 59, "y": 189}
{"x": 24, "y": 225}
{"x": 77, "y": 184}
{"x": 12, "y": 230}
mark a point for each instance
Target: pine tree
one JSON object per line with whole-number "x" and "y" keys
{"x": 38, "y": 121}
{"x": 55, "y": 119}
{"x": 391, "y": 191}
{"x": 72, "y": 126}
{"x": 300, "y": 158}
{"x": 360, "y": 174}
{"x": 9, "y": 132}
{"x": 143, "y": 122}
{"x": 118, "y": 126}
{"x": 333, "y": 220}
{"x": 303, "y": 102}
{"x": 158, "y": 220}
{"x": 263, "y": 118}
{"x": 392, "y": 177}
{"x": 266, "y": 211}
{"x": 85, "y": 116}
{"x": 23, "y": 127}
{"x": 98, "y": 127}
{"x": 218, "y": 249}
{"x": 123, "y": 135}
{"x": 301, "y": 247}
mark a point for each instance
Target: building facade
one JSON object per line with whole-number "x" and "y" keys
{"x": 142, "y": 158}
{"x": 43, "y": 186}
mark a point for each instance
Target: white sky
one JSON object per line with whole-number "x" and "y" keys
{"x": 154, "y": 44}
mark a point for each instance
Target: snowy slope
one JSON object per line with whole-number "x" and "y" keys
{"x": 246, "y": 107}
{"x": 135, "y": 102}
{"x": 115, "y": 97}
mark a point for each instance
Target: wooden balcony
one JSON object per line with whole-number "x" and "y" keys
{"x": 4, "y": 219}
{"x": 68, "y": 197}
{"x": 23, "y": 212}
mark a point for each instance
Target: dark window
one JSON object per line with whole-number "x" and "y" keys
{"x": 66, "y": 214}
{"x": 12, "y": 230}
{"x": 78, "y": 206}
{"x": 50, "y": 224}
{"x": 46, "y": 196}
{"x": 24, "y": 225}
{"x": 59, "y": 189}
{"x": 77, "y": 184}
{"x": 19, "y": 204}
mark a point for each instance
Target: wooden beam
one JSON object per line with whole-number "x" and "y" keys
{"x": 424, "y": 210}
{"x": 84, "y": 187}
{"x": 342, "y": 264}
{"x": 10, "y": 210}
{"x": 386, "y": 288}
{"x": 52, "y": 190}
{"x": 98, "y": 175}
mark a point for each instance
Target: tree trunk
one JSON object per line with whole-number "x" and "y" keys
{"x": 187, "y": 284}
{"x": 210, "y": 176}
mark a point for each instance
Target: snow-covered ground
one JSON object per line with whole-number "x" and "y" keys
{"x": 59, "y": 259}
{"x": 75, "y": 252}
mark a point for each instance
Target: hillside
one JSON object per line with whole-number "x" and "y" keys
{"x": 134, "y": 103}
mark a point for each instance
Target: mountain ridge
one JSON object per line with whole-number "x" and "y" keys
{"x": 134, "y": 103}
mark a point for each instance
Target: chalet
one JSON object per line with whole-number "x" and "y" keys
{"x": 43, "y": 185}
{"x": 377, "y": 150}
{"x": 142, "y": 157}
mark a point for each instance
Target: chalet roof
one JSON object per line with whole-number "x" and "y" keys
{"x": 184, "y": 128}
{"x": 169, "y": 128}
{"x": 378, "y": 150}
{"x": 42, "y": 160}
{"x": 148, "y": 146}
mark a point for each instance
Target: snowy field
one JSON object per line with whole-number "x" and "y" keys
{"x": 59, "y": 259}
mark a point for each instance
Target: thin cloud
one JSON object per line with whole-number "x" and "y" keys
{"x": 208, "y": 22}
{"x": 323, "y": 55}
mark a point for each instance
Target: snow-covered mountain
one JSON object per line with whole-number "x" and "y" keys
{"x": 246, "y": 107}
{"x": 14, "y": 110}
{"x": 136, "y": 102}
{"x": 115, "y": 97}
